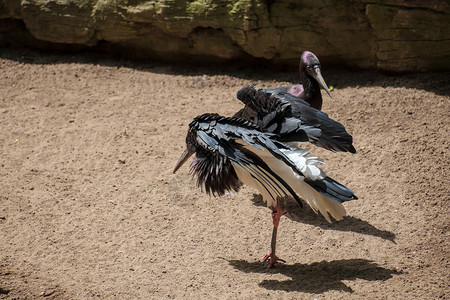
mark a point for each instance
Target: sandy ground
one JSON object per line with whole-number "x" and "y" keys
{"x": 89, "y": 207}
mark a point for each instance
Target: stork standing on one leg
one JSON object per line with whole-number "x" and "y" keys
{"x": 230, "y": 152}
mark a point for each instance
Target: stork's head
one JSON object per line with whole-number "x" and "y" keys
{"x": 191, "y": 148}
{"x": 310, "y": 66}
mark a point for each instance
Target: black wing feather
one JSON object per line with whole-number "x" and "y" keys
{"x": 293, "y": 120}
{"x": 218, "y": 147}
{"x": 222, "y": 142}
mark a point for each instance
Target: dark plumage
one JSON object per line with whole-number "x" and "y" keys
{"x": 214, "y": 172}
{"x": 230, "y": 152}
{"x": 311, "y": 81}
{"x": 308, "y": 90}
{"x": 293, "y": 120}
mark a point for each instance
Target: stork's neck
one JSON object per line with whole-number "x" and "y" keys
{"x": 311, "y": 93}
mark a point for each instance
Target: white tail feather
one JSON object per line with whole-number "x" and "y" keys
{"x": 308, "y": 166}
{"x": 245, "y": 177}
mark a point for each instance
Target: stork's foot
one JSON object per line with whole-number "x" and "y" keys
{"x": 271, "y": 258}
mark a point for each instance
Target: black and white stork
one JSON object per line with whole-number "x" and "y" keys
{"x": 233, "y": 151}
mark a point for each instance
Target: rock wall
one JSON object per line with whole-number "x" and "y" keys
{"x": 392, "y": 35}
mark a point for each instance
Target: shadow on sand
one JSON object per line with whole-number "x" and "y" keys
{"x": 306, "y": 215}
{"x": 436, "y": 82}
{"x": 317, "y": 277}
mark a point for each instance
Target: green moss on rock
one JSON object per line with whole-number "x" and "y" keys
{"x": 386, "y": 34}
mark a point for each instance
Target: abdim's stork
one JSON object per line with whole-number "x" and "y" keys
{"x": 230, "y": 152}
{"x": 294, "y": 120}
{"x": 308, "y": 90}
{"x": 311, "y": 81}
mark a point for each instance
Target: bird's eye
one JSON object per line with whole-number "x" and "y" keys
{"x": 309, "y": 68}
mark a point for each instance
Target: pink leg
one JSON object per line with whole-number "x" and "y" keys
{"x": 270, "y": 256}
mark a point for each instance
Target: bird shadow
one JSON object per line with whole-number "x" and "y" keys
{"x": 317, "y": 277}
{"x": 306, "y": 215}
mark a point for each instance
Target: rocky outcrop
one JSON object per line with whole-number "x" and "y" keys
{"x": 393, "y": 35}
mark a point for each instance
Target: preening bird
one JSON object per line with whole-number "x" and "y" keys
{"x": 233, "y": 151}
{"x": 294, "y": 120}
